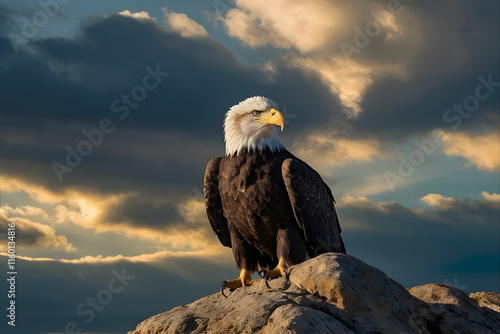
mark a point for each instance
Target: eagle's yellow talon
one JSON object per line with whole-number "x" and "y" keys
{"x": 222, "y": 287}
{"x": 279, "y": 271}
{"x": 275, "y": 273}
{"x": 244, "y": 280}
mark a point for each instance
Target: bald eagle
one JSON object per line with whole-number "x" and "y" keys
{"x": 270, "y": 207}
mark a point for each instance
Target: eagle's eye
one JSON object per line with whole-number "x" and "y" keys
{"x": 256, "y": 113}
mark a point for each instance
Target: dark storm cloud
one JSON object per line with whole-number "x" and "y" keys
{"x": 426, "y": 58}
{"x": 68, "y": 85}
{"x": 139, "y": 209}
{"x": 30, "y": 234}
{"x": 457, "y": 43}
{"x": 63, "y": 86}
{"x": 78, "y": 79}
{"x": 417, "y": 246}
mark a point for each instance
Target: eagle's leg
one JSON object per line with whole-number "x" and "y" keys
{"x": 288, "y": 235}
{"x": 245, "y": 279}
{"x": 246, "y": 257}
{"x": 280, "y": 271}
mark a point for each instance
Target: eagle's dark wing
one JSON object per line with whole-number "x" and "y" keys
{"x": 313, "y": 206}
{"x": 213, "y": 202}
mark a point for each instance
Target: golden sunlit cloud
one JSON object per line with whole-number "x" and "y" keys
{"x": 345, "y": 78}
{"x": 191, "y": 232}
{"x": 216, "y": 254}
{"x": 36, "y": 192}
{"x": 314, "y": 33}
{"x": 26, "y": 210}
{"x": 306, "y": 26}
{"x": 137, "y": 15}
{"x": 193, "y": 211}
{"x": 348, "y": 201}
{"x": 363, "y": 204}
{"x": 492, "y": 198}
{"x": 360, "y": 213}
{"x": 324, "y": 150}
{"x": 440, "y": 202}
{"x": 31, "y": 234}
{"x": 388, "y": 21}
{"x": 480, "y": 150}
{"x": 370, "y": 185}
{"x": 182, "y": 24}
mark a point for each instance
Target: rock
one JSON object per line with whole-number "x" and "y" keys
{"x": 445, "y": 309}
{"x": 333, "y": 293}
{"x": 358, "y": 289}
{"x": 487, "y": 299}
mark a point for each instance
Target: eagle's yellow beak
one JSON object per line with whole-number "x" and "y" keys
{"x": 272, "y": 116}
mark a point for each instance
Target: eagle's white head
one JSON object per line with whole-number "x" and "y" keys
{"x": 251, "y": 125}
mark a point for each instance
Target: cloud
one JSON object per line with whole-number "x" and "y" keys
{"x": 136, "y": 216}
{"x": 155, "y": 157}
{"x": 440, "y": 209}
{"x": 441, "y": 203}
{"x": 140, "y": 211}
{"x": 328, "y": 149}
{"x": 193, "y": 211}
{"x": 348, "y": 82}
{"x": 29, "y": 234}
{"x": 364, "y": 214}
{"x": 170, "y": 232}
{"x": 217, "y": 255}
{"x": 438, "y": 201}
{"x": 363, "y": 203}
{"x": 417, "y": 245}
{"x": 175, "y": 133}
{"x": 308, "y": 27}
{"x": 377, "y": 55}
{"x": 35, "y": 191}
{"x": 25, "y": 210}
{"x": 182, "y": 24}
{"x": 482, "y": 150}
{"x": 166, "y": 140}
{"x": 493, "y": 198}
{"x": 315, "y": 32}
{"x": 137, "y": 15}
{"x": 164, "y": 221}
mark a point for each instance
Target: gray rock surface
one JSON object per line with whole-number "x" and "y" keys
{"x": 334, "y": 293}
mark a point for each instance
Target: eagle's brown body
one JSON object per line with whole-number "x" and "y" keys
{"x": 268, "y": 206}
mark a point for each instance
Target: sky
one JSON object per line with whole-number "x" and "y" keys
{"x": 110, "y": 111}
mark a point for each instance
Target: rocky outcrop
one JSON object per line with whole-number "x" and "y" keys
{"x": 334, "y": 293}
